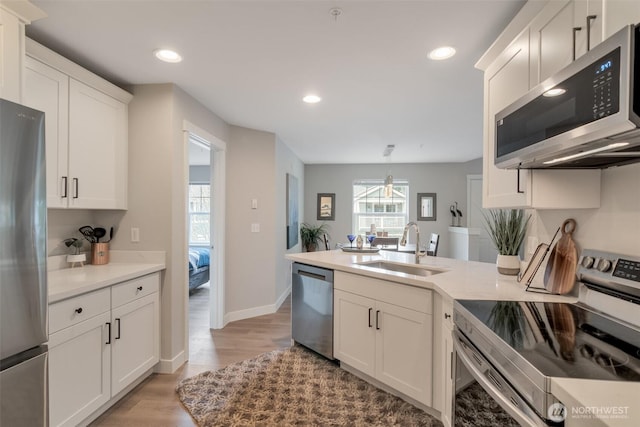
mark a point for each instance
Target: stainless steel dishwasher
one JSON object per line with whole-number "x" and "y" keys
{"x": 312, "y": 308}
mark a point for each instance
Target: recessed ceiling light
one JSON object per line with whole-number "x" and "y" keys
{"x": 444, "y": 52}
{"x": 167, "y": 55}
{"x": 312, "y": 99}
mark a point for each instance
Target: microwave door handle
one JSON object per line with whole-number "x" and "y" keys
{"x": 525, "y": 417}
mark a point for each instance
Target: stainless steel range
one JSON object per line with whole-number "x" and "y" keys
{"x": 513, "y": 348}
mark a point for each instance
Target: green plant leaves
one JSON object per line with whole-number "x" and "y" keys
{"x": 507, "y": 228}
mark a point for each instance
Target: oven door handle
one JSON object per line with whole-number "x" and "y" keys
{"x": 525, "y": 418}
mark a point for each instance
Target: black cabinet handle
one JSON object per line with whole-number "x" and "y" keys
{"x": 75, "y": 185}
{"x": 377, "y": 319}
{"x": 79, "y": 310}
{"x": 447, "y": 316}
{"x": 575, "y": 30}
{"x": 64, "y": 187}
{"x": 518, "y": 183}
{"x": 369, "y": 318}
{"x": 139, "y": 288}
{"x": 109, "y": 339}
{"x": 590, "y": 18}
{"x": 118, "y": 336}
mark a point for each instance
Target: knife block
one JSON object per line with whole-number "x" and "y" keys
{"x": 99, "y": 253}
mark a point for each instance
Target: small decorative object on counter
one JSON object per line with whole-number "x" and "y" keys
{"x": 359, "y": 242}
{"x": 452, "y": 209}
{"x": 507, "y": 228}
{"x": 458, "y": 216}
{"x": 75, "y": 257}
{"x": 99, "y": 253}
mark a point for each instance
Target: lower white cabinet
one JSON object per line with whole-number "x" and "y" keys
{"x": 444, "y": 324}
{"x": 100, "y": 343}
{"x": 387, "y": 334}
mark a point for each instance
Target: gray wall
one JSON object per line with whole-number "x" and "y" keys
{"x": 447, "y": 180}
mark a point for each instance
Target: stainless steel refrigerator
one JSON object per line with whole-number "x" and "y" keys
{"x": 23, "y": 267}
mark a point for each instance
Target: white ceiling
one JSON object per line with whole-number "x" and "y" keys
{"x": 251, "y": 62}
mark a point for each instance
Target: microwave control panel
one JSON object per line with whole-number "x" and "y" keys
{"x": 605, "y": 93}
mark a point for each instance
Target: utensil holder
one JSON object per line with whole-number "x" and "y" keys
{"x": 99, "y": 253}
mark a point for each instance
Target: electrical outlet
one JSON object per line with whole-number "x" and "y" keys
{"x": 135, "y": 234}
{"x": 255, "y": 228}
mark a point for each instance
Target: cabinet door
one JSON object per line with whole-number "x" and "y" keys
{"x": 136, "y": 340}
{"x": 403, "y": 350}
{"x": 354, "y": 331}
{"x": 505, "y": 81}
{"x": 97, "y": 149}
{"x": 79, "y": 366}
{"x": 47, "y": 89}
{"x": 617, "y": 13}
{"x": 447, "y": 361}
{"x": 552, "y": 38}
{"x": 11, "y": 52}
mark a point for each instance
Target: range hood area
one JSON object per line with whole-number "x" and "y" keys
{"x": 585, "y": 116}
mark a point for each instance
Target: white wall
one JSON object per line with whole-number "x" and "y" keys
{"x": 447, "y": 180}
{"x": 615, "y": 226}
{"x": 286, "y": 162}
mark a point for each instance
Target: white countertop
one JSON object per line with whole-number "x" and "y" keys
{"x": 70, "y": 282}
{"x": 459, "y": 279}
{"x": 592, "y": 403}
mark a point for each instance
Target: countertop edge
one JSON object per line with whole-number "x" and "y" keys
{"x": 78, "y": 284}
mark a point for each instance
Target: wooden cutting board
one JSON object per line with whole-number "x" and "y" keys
{"x": 560, "y": 275}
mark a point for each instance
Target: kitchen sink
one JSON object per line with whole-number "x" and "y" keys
{"x": 416, "y": 270}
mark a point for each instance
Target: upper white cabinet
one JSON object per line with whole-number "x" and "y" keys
{"x": 537, "y": 50}
{"x": 13, "y": 18}
{"x": 86, "y": 131}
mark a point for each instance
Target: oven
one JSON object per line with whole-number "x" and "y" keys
{"x": 506, "y": 352}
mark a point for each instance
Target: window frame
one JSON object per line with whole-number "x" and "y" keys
{"x": 191, "y": 214}
{"x": 399, "y": 186}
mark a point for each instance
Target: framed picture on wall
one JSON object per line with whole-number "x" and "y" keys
{"x": 326, "y": 206}
{"x": 426, "y": 206}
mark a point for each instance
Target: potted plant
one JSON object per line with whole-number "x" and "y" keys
{"x": 507, "y": 228}
{"x": 311, "y": 234}
{"x": 74, "y": 246}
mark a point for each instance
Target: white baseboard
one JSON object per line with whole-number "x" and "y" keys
{"x": 169, "y": 366}
{"x": 256, "y": 311}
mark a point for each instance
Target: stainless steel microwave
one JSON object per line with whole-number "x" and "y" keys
{"x": 585, "y": 116}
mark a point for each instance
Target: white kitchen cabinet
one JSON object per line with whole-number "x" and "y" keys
{"x": 79, "y": 357}
{"x": 47, "y": 89}
{"x": 97, "y": 149}
{"x": 387, "y": 334}
{"x": 86, "y": 131}
{"x": 443, "y": 360}
{"x": 99, "y": 344}
{"x": 507, "y": 78}
{"x": 136, "y": 340}
{"x": 11, "y": 49}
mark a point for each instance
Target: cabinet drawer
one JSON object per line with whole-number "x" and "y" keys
{"x": 75, "y": 310}
{"x": 134, "y": 289}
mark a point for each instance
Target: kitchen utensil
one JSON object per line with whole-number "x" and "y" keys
{"x": 560, "y": 275}
{"x": 536, "y": 259}
{"x": 99, "y": 232}
{"x": 87, "y": 231}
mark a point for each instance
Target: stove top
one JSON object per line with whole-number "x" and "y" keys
{"x": 560, "y": 340}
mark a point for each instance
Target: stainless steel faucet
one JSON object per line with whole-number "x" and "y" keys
{"x": 403, "y": 241}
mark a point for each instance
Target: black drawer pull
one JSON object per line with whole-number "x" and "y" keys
{"x": 447, "y": 316}
{"x": 109, "y": 339}
{"x": 369, "y": 318}
{"x": 118, "y": 336}
{"x": 139, "y": 288}
{"x": 79, "y": 310}
{"x": 377, "y": 319}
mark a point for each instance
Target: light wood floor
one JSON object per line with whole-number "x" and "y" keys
{"x": 155, "y": 403}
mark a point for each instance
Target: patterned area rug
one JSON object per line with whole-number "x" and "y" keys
{"x": 292, "y": 387}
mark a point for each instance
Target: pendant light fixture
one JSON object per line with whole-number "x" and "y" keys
{"x": 388, "y": 182}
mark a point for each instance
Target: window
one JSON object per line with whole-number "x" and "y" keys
{"x": 370, "y": 206}
{"x": 199, "y": 214}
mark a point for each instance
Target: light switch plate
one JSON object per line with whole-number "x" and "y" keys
{"x": 135, "y": 234}
{"x": 254, "y": 203}
{"x": 255, "y": 228}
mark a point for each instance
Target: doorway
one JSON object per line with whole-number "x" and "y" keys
{"x": 208, "y": 155}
